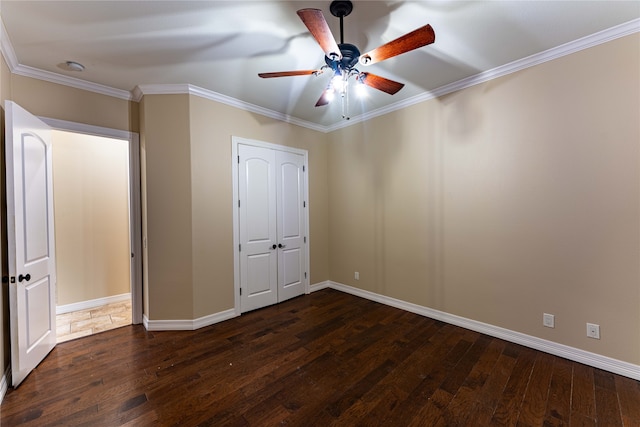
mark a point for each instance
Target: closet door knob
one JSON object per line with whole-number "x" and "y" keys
{"x": 21, "y": 277}
{"x": 274, "y": 246}
{"x": 280, "y": 245}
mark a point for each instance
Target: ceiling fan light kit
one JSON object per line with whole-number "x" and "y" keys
{"x": 342, "y": 58}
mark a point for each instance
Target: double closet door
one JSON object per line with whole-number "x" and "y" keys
{"x": 272, "y": 205}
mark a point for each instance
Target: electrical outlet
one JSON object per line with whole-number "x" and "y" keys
{"x": 593, "y": 331}
{"x": 549, "y": 320}
{"x": 356, "y": 275}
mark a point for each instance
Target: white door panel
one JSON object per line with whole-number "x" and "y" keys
{"x": 257, "y": 213}
{"x": 258, "y": 268}
{"x": 259, "y": 209}
{"x": 34, "y": 205}
{"x": 291, "y": 271}
{"x": 30, "y": 237}
{"x": 290, "y": 199}
{"x": 290, "y": 196}
{"x": 38, "y": 322}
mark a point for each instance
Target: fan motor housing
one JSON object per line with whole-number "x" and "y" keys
{"x": 350, "y": 55}
{"x": 341, "y": 8}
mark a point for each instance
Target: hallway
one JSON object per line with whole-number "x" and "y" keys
{"x": 77, "y": 324}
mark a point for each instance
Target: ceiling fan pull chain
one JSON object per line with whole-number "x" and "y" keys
{"x": 345, "y": 97}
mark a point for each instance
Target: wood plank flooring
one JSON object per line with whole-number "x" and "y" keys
{"x": 325, "y": 359}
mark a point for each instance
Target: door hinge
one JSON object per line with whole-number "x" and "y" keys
{"x": 305, "y": 274}
{"x": 240, "y": 291}
{"x": 304, "y": 204}
{"x": 238, "y": 202}
{"x": 240, "y": 247}
{"x": 303, "y": 168}
{"x": 305, "y": 239}
{"x": 238, "y": 159}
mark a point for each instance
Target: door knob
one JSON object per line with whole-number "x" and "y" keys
{"x": 21, "y": 277}
{"x": 274, "y": 246}
{"x": 280, "y": 245}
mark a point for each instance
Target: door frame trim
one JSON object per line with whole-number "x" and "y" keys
{"x": 235, "y": 142}
{"x": 135, "y": 215}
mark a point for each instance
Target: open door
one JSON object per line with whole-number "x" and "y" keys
{"x": 30, "y": 235}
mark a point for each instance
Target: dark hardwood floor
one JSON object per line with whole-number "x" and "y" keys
{"x": 323, "y": 359}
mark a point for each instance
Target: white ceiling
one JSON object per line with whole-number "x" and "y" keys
{"x": 221, "y": 46}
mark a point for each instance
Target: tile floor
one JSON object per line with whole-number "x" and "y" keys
{"x": 86, "y": 322}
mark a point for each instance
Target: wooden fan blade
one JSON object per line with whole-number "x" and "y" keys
{"x": 410, "y": 41}
{"x": 381, "y": 83}
{"x": 325, "y": 98}
{"x": 319, "y": 29}
{"x": 289, "y": 73}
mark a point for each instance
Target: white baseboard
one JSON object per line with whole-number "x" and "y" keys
{"x": 592, "y": 359}
{"x": 320, "y": 286}
{"x": 4, "y": 382}
{"x": 187, "y": 325}
{"x": 92, "y": 303}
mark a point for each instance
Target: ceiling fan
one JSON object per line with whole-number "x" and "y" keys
{"x": 342, "y": 58}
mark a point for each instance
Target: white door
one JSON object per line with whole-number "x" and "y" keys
{"x": 30, "y": 235}
{"x": 257, "y": 218}
{"x": 271, "y": 226}
{"x": 290, "y": 209}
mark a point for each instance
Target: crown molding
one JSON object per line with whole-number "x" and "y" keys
{"x": 74, "y": 82}
{"x": 583, "y": 43}
{"x": 176, "y": 89}
{"x": 6, "y": 48}
{"x": 139, "y": 91}
{"x": 9, "y": 54}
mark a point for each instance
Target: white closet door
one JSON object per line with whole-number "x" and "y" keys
{"x": 257, "y": 221}
{"x": 291, "y": 227}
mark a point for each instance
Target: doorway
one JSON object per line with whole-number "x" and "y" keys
{"x": 31, "y": 232}
{"x": 91, "y": 217}
{"x": 98, "y": 225}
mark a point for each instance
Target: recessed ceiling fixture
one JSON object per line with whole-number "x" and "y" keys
{"x": 72, "y": 66}
{"x": 342, "y": 58}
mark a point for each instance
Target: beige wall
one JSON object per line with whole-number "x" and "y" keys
{"x": 188, "y": 198}
{"x": 167, "y": 222}
{"x": 91, "y": 203}
{"x": 56, "y": 101}
{"x": 503, "y": 201}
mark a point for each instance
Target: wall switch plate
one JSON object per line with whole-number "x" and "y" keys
{"x": 356, "y": 275}
{"x": 549, "y": 320}
{"x": 593, "y": 331}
